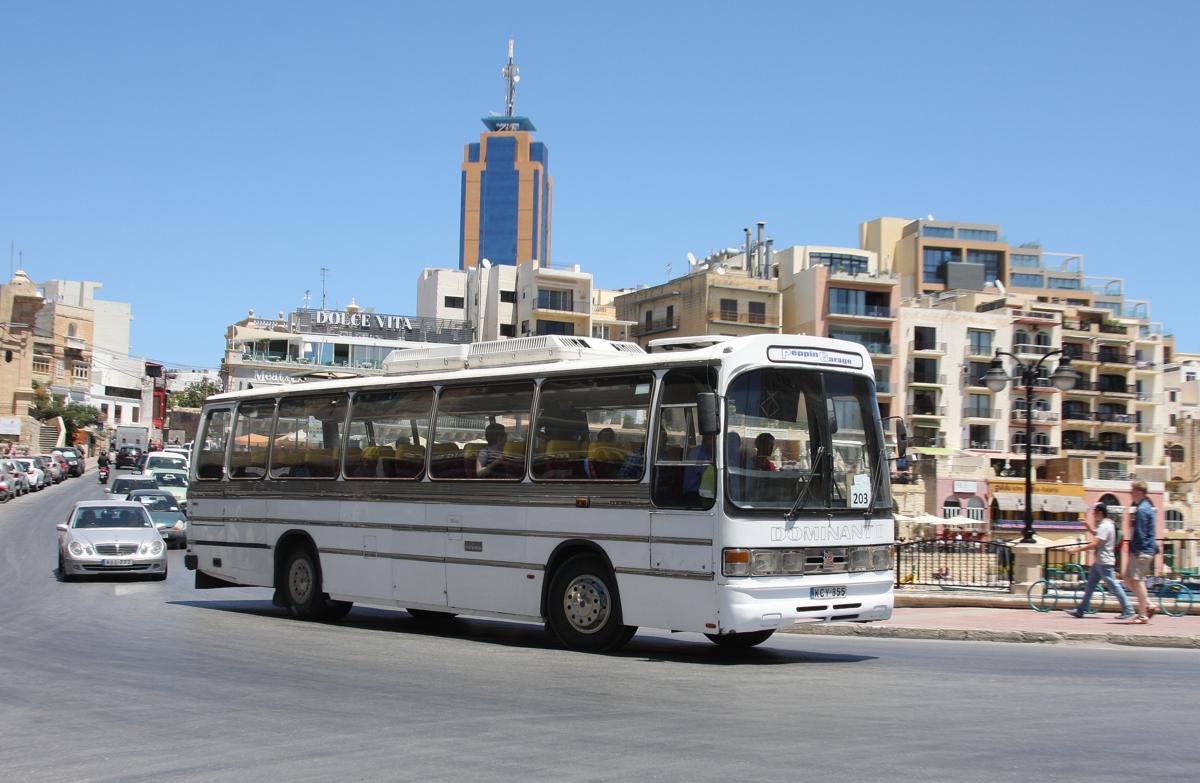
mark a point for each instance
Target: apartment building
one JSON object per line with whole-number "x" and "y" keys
{"x": 722, "y": 294}
{"x": 605, "y": 323}
{"x": 20, "y": 302}
{"x": 511, "y": 301}
{"x": 62, "y": 349}
{"x": 842, "y": 293}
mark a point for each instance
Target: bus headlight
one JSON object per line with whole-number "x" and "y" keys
{"x": 881, "y": 558}
{"x": 735, "y": 562}
{"x": 764, "y": 562}
{"x": 794, "y": 561}
{"x": 860, "y": 558}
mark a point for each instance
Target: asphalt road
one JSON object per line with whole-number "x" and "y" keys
{"x": 132, "y": 680}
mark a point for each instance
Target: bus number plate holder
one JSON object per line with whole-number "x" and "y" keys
{"x": 827, "y": 592}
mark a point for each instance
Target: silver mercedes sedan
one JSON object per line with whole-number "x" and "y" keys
{"x": 110, "y": 537}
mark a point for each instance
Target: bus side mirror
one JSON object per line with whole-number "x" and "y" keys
{"x": 708, "y": 417}
{"x": 901, "y": 438}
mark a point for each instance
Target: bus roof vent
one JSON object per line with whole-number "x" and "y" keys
{"x": 430, "y": 359}
{"x": 686, "y": 343}
{"x": 545, "y": 348}
{"x": 504, "y": 353}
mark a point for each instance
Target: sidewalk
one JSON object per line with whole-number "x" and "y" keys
{"x": 1016, "y": 625}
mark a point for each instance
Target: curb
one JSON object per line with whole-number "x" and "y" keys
{"x": 925, "y": 600}
{"x": 982, "y": 635}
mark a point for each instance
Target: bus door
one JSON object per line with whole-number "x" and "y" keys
{"x": 206, "y": 506}
{"x": 683, "y": 477}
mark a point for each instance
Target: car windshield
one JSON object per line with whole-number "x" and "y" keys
{"x": 804, "y": 439}
{"x": 160, "y": 461}
{"x": 157, "y": 502}
{"x": 110, "y": 516}
{"x": 170, "y": 479}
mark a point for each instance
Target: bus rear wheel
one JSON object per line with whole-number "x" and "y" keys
{"x": 583, "y": 608}
{"x": 740, "y": 641}
{"x": 302, "y": 589}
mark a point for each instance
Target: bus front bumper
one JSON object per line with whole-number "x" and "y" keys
{"x": 759, "y": 603}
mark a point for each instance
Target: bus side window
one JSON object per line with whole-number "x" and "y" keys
{"x": 482, "y": 431}
{"x": 684, "y": 471}
{"x": 211, "y": 463}
{"x": 592, "y": 429}
{"x": 307, "y": 441}
{"x": 251, "y": 438}
{"x": 389, "y": 434}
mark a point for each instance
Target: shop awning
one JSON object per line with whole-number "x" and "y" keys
{"x": 1059, "y": 504}
{"x": 1076, "y": 505}
{"x": 935, "y": 451}
{"x": 1010, "y": 501}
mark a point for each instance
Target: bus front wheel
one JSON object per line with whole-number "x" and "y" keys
{"x": 583, "y": 607}
{"x": 302, "y": 588}
{"x": 740, "y": 641}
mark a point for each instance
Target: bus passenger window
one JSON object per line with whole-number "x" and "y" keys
{"x": 481, "y": 432}
{"x": 308, "y": 437}
{"x": 592, "y": 429}
{"x": 211, "y": 462}
{"x": 389, "y": 434}
{"x": 251, "y": 437}
{"x": 684, "y": 471}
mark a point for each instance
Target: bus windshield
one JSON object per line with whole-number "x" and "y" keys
{"x": 801, "y": 439}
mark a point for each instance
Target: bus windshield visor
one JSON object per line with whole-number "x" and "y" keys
{"x": 804, "y": 440}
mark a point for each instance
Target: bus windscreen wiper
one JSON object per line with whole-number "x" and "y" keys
{"x": 802, "y": 494}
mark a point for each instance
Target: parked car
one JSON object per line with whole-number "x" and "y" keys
{"x": 172, "y": 481}
{"x": 38, "y": 479}
{"x": 176, "y": 449}
{"x": 74, "y": 459}
{"x": 62, "y": 464}
{"x": 20, "y": 478}
{"x": 106, "y": 537}
{"x": 7, "y": 484}
{"x": 51, "y": 466}
{"x": 165, "y": 460}
{"x": 167, "y": 514}
{"x": 128, "y": 456}
{"x": 119, "y": 487}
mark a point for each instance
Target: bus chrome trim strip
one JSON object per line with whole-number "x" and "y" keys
{"x": 235, "y": 544}
{"x": 706, "y": 576}
{"x": 472, "y": 530}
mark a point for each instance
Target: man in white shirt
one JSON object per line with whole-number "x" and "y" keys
{"x": 1104, "y": 541}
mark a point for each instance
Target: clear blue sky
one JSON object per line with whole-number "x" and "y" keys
{"x": 203, "y": 158}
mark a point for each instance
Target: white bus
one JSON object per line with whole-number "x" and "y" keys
{"x": 731, "y": 489}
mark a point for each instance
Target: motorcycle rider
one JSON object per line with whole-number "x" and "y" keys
{"x": 102, "y": 461}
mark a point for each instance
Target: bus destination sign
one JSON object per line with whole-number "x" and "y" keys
{"x": 815, "y": 356}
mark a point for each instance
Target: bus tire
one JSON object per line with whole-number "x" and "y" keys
{"x": 431, "y": 616}
{"x": 583, "y": 607}
{"x": 302, "y": 588}
{"x": 740, "y": 641}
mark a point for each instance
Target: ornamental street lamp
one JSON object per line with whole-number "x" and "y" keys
{"x": 996, "y": 378}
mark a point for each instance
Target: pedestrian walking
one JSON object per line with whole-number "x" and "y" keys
{"x": 1143, "y": 546}
{"x": 1103, "y": 535}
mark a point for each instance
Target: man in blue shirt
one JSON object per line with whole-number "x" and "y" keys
{"x": 1143, "y": 546}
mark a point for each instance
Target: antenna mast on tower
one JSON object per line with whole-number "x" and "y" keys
{"x": 512, "y": 75}
{"x": 324, "y": 274}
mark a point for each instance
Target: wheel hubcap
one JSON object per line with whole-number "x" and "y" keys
{"x": 300, "y": 581}
{"x": 586, "y": 603}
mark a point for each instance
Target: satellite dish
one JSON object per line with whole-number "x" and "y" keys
{"x": 692, "y": 258}
{"x": 486, "y": 263}
{"x": 930, "y": 216}
{"x": 721, "y": 269}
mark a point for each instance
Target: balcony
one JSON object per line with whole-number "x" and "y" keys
{"x": 76, "y": 344}
{"x": 927, "y": 441}
{"x": 1116, "y": 418}
{"x": 934, "y": 411}
{"x": 1145, "y": 428}
{"x": 1113, "y": 474}
{"x": 927, "y": 380}
{"x": 1017, "y": 416}
{"x": 642, "y": 328}
{"x": 1084, "y": 386}
{"x": 1030, "y": 349}
{"x": 1117, "y": 390}
{"x": 842, "y": 274}
{"x": 915, "y": 346}
{"x": 859, "y": 311}
{"x": 1043, "y": 450}
{"x": 878, "y": 349}
{"x": 745, "y": 319}
{"x": 1149, "y": 397}
{"x": 1111, "y": 447}
{"x": 981, "y": 413}
{"x": 1106, "y": 328}
{"x": 1033, "y": 316}
{"x": 41, "y": 366}
{"x": 978, "y": 351}
{"x": 977, "y": 514}
{"x": 1082, "y": 357}
{"x": 1105, "y": 357}
{"x": 985, "y": 445}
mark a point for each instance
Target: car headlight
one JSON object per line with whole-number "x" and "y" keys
{"x": 75, "y": 548}
{"x": 156, "y": 547}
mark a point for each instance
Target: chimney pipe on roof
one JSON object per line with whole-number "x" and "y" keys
{"x": 749, "y": 261}
{"x": 760, "y": 250}
{"x": 770, "y": 259}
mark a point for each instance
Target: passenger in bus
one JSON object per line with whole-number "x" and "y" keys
{"x": 698, "y": 479}
{"x": 764, "y": 449}
{"x": 490, "y": 461}
{"x": 634, "y": 463}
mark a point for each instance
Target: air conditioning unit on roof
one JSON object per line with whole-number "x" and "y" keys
{"x": 506, "y": 353}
